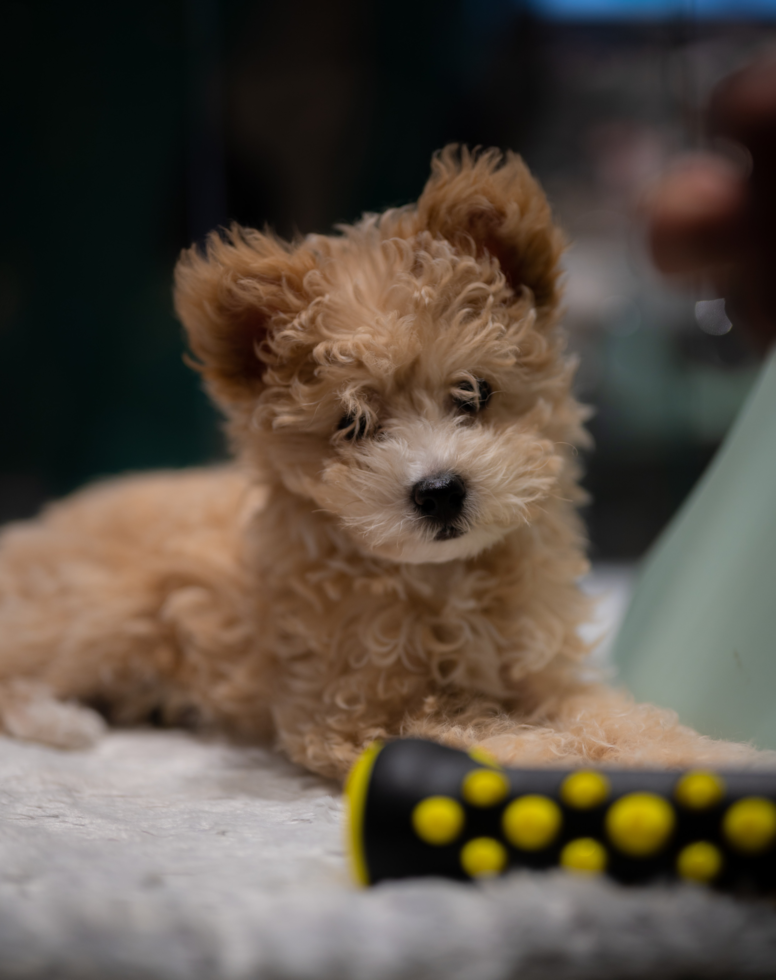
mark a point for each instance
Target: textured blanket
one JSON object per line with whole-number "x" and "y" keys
{"x": 160, "y": 855}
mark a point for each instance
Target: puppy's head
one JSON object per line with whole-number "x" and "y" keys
{"x": 406, "y": 377}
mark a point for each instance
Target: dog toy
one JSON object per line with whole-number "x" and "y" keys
{"x": 416, "y": 808}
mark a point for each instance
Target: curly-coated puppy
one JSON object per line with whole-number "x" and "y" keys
{"x": 397, "y": 549}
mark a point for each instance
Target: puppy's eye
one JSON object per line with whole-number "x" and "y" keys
{"x": 472, "y": 398}
{"x": 352, "y": 426}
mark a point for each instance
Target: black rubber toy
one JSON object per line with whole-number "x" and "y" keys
{"x": 416, "y": 808}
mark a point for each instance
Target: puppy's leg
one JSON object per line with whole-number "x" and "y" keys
{"x": 29, "y": 711}
{"x": 73, "y": 616}
{"x": 594, "y": 724}
{"x": 601, "y": 723}
{"x": 323, "y": 749}
{"x": 131, "y": 597}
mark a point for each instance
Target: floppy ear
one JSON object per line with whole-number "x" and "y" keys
{"x": 491, "y": 202}
{"x": 228, "y": 298}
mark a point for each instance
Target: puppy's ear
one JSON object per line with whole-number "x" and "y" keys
{"x": 490, "y": 202}
{"x": 230, "y": 297}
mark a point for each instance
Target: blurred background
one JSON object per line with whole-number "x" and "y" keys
{"x": 129, "y": 131}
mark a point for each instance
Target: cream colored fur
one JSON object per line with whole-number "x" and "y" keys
{"x": 298, "y": 594}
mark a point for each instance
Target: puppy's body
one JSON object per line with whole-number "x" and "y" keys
{"x": 397, "y": 551}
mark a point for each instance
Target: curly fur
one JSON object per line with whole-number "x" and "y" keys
{"x": 298, "y": 594}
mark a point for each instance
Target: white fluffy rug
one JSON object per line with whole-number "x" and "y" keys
{"x": 159, "y": 855}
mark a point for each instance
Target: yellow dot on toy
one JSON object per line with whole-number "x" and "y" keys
{"x": 699, "y": 790}
{"x": 483, "y": 857}
{"x": 484, "y": 787}
{"x": 640, "y": 824}
{"x": 584, "y": 856}
{"x": 483, "y": 757}
{"x": 699, "y": 862}
{"x": 750, "y": 825}
{"x": 438, "y": 820}
{"x": 532, "y": 822}
{"x": 584, "y": 790}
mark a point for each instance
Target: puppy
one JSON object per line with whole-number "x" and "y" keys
{"x": 396, "y": 549}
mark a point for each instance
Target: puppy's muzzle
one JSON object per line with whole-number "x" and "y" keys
{"x": 440, "y": 500}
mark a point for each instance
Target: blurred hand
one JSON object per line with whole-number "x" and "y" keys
{"x": 710, "y": 217}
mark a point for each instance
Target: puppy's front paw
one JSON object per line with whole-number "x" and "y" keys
{"x": 28, "y": 711}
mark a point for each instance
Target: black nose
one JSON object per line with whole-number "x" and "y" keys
{"x": 440, "y": 498}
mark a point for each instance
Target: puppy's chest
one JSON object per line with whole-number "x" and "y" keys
{"x": 353, "y": 614}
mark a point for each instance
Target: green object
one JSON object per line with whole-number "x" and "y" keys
{"x": 700, "y": 633}
{"x": 417, "y": 809}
